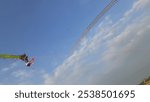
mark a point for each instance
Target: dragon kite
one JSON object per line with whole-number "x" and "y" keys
{"x": 22, "y": 57}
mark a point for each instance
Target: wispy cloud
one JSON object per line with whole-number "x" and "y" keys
{"x": 21, "y": 74}
{"x": 10, "y": 67}
{"x": 15, "y": 73}
{"x": 120, "y": 56}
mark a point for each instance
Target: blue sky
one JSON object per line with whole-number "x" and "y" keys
{"x": 48, "y": 29}
{"x": 45, "y": 29}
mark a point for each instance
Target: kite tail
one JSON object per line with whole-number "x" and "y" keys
{"x": 22, "y": 57}
{"x": 7, "y": 56}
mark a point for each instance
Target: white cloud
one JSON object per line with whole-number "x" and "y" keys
{"x": 120, "y": 56}
{"x": 12, "y": 66}
{"x": 136, "y": 6}
{"x": 21, "y": 74}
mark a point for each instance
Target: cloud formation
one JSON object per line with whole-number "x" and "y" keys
{"x": 14, "y": 73}
{"x": 117, "y": 52}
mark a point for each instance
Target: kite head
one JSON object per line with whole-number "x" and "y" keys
{"x": 29, "y": 63}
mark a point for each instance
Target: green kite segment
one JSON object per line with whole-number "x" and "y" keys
{"x": 7, "y": 56}
{"x": 22, "y": 57}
